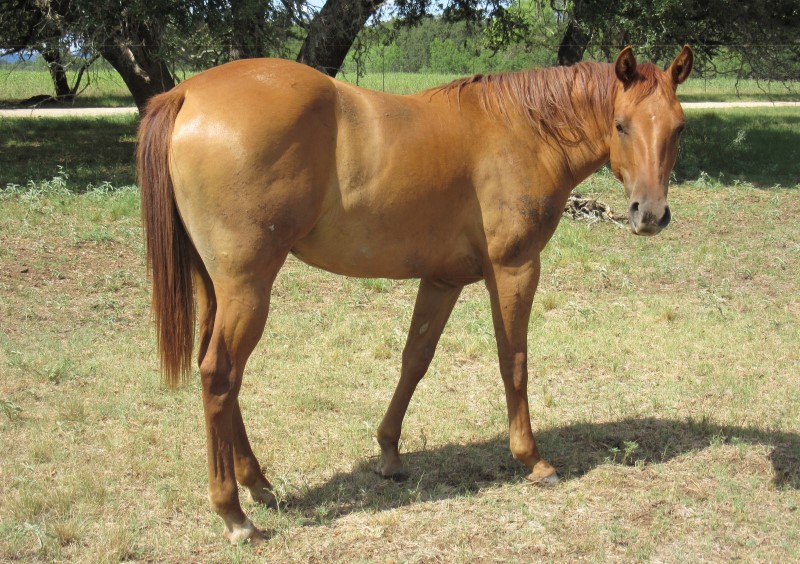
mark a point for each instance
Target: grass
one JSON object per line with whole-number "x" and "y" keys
{"x": 756, "y": 145}
{"x": 86, "y": 151}
{"x": 663, "y": 386}
{"x": 721, "y": 89}
{"x": 107, "y": 88}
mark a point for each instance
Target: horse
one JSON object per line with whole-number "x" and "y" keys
{"x": 245, "y": 163}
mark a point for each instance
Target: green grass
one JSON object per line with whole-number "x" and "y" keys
{"x": 663, "y": 383}
{"x": 663, "y": 386}
{"x": 105, "y": 89}
{"x": 400, "y": 82}
{"x": 86, "y": 151}
{"x": 721, "y": 89}
{"x": 108, "y": 89}
{"x": 756, "y": 145}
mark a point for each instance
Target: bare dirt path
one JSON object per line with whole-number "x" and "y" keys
{"x": 704, "y": 105}
{"x": 67, "y": 112}
{"x": 85, "y": 112}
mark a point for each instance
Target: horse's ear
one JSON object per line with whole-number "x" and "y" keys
{"x": 625, "y": 67}
{"x": 682, "y": 65}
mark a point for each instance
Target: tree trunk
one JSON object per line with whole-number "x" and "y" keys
{"x": 573, "y": 45}
{"x": 333, "y": 31}
{"x": 247, "y": 39}
{"x": 55, "y": 64}
{"x": 144, "y": 74}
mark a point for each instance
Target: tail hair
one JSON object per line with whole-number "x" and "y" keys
{"x": 169, "y": 251}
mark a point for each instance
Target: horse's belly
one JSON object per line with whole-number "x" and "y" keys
{"x": 383, "y": 251}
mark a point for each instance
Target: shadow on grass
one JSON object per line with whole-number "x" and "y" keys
{"x": 456, "y": 470}
{"x": 87, "y": 150}
{"x": 756, "y": 145}
{"x": 83, "y": 101}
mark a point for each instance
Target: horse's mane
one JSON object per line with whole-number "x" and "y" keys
{"x": 562, "y": 102}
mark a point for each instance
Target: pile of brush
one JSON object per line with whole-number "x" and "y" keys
{"x": 592, "y": 211}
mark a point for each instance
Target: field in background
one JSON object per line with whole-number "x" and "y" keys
{"x": 107, "y": 88}
{"x": 760, "y": 146}
{"x": 663, "y": 380}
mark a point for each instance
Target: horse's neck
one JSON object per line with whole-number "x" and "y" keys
{"x": 594, "y": 109}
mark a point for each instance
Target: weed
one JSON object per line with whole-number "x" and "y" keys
{"x": 376, "y": 284}
{"x": 10, "y": 409}
{"x": 57, "y": 371}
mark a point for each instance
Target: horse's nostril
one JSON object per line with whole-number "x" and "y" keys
{"x": 633, "y": 213}
{"x": 665, "y": 218}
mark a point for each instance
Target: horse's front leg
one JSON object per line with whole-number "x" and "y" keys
{"x": 432, "y": 310}
{"x": 511, "y": 290}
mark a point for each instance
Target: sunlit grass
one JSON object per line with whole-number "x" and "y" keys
{"x": 663, "y": 382}
{"x": 730, "y": 89}
{"x": 106, "y": 87}
{"x": 663, "y": 386}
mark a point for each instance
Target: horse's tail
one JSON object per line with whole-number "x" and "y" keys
{"x": 169, "y": 250}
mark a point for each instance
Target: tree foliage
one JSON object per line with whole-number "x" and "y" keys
{"x": 759, "y": 38}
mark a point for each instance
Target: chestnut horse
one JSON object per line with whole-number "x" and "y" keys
{"x": 245, "y": 163}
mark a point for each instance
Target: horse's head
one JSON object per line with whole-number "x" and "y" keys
{"x": 648, "y": 121}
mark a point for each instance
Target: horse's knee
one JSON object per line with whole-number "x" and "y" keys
{"x": 526, "y": 455}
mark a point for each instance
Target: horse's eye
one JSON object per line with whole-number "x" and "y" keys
{"x": 620, "y": 129}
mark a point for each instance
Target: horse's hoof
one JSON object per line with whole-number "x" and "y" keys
{"x": 546, "y": 481}
{"x": 244, "y": 533}
{"x": 394, "y": 474}
{"x": 543, "y": 474}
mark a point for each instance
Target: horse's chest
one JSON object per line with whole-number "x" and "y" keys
{"x": 521, "y": 226}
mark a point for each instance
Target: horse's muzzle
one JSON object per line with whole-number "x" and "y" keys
{"x": 648, "y": 219}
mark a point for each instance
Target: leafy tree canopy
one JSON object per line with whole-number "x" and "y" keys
{"x": 146, "y": 40}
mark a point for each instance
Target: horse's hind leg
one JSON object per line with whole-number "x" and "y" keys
{"x": 241, "y": 314}
{"x": 247, "y": 469}
{"x": 432, "y": 310}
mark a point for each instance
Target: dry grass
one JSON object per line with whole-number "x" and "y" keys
{"x": 663, "y": 386}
